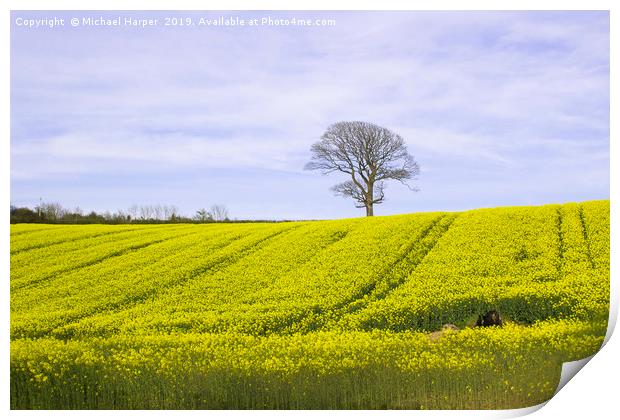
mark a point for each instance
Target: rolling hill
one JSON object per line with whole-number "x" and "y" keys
{"x": 321, "y": 314}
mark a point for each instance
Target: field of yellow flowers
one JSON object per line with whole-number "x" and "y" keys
{"x": 322, "y": 314}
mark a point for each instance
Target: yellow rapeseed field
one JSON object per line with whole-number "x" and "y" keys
{"x": 322, "y": 314}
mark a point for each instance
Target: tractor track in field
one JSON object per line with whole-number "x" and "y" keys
{"x": 371, "y": 293}
{"x": 586, "y": 238}
{"x": 561, "y": 243}
{"x": 335, "y": 238}
{"x": 73, "y": 239}
{"x": 25, "y": 232}
{"x": 101, "y": 259}
{"x": 409, "y": 251}
{"x": 92, "y": 312}
{"x": 135, "y": 300}
{"x": 97, "y": 243}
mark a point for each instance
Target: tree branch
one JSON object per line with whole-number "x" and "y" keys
{"x": 368, "y": 154}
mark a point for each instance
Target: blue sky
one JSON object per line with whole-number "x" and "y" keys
{"x": 498, "y": 108}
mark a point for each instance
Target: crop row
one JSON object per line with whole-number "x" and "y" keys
{"x": 332, "y": 314}
{"x": 513, "y": 260}
{"x": 44, "y": 263}
{"x": 30, "y": 239}
{"x": 314, "y": 267}
{"x": 398, "y": 273}
{"x": 129, "y": 278}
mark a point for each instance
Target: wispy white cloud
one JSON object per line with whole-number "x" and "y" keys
{"x": 487, "y": 89}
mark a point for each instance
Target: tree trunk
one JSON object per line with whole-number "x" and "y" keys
{"x": 369, "y": 210}
{"x": 369, "y": 199}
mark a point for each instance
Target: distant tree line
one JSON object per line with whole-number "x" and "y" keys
{"x": 56, "y": 213}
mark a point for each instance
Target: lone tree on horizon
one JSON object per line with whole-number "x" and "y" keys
{"x": 369, "y": 155}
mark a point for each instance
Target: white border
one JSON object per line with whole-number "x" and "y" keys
{"x": 594, "y": 392}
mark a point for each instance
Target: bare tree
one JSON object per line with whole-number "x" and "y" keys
{"x": 202, "y": 215}
{"x": 121, "y": 215}
{"x": 51, "y": 211}
{"x": 369, "y": 155}
{"x": 170, "y": 212}
{"x": 146, "y": 212}
{"x": 158, "y": 212}
{"x": 133, "y": 211}
{"x": 218, "y": 212}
